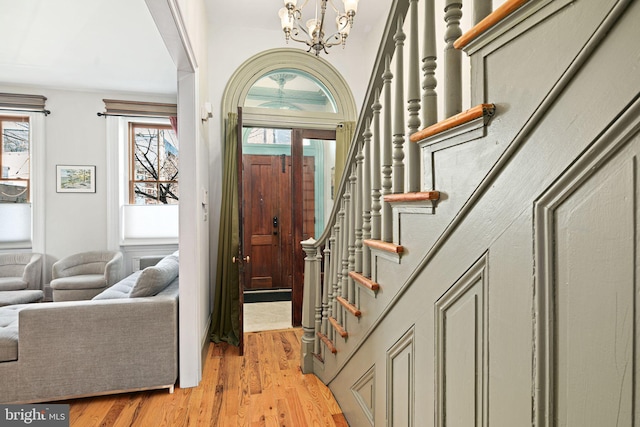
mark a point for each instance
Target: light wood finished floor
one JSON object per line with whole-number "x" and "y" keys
{"x": 265, "y": 387}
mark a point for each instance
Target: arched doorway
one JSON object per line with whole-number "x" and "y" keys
{"x": 292, "y": 105}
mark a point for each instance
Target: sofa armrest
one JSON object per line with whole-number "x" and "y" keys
{"x": 113, "y": 270}
{"x": 88, "y": 347}
{"x": 33, "y": 272}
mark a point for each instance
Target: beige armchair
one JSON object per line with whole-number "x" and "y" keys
{"x": 83, "y": 276}
{"x": 20, "y": 278}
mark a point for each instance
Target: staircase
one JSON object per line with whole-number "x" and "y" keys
{"x": 436, "y": 296}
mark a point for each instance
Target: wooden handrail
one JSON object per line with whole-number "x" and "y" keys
{"x": 492, "y": 19}
{"x": 453, "y": 121}
{"x": 412, "y": 197}
{"x": 384, "y": 246}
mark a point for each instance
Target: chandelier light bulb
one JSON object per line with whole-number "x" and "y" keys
{"x": 286, "y": 20}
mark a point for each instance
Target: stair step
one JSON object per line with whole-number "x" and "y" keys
{"x": 489, "y": 21}
{"x": 384, "y": 246}
{"x": 350, "y": 307}
{"x": 364, "y": 281}
{"x": 412, "y": 197}
{"x": 482, "y": 110}
{"x": 327, "y": 342}
{"x": 338, "y": 327}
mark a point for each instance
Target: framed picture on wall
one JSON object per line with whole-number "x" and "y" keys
{"x": 75, "y": 179}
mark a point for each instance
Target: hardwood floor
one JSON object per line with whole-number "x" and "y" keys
{"x": 265, "y": 387}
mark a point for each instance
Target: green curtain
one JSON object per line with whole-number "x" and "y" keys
{"x": 225, "y": 319}
{"x": 344, "y": 134}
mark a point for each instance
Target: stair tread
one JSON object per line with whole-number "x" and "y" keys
{"x": 350, "y": 307}
{"x": 364, "y": 281}
{"x": 453, "y": 121}
{"x": 412, "y": 197}
{"x": 489, "y": 21}
{"x": 338, "y": 327}
{"x": 327, "y": 342}
{"x": 385, "y": 246}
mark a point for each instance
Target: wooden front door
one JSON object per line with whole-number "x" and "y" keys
{"x": 269, "y": 222}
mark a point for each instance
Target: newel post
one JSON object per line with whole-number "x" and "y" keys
{"x": 310, "y": 299}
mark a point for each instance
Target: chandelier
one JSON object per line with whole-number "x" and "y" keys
{"x": 312, "y": 33}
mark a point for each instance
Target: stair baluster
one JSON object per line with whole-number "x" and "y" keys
{"x": 352, "y": 230}
{"x": 359, "y": 207}
{"x": 375, "y": 166}
{"x": 413, "y": 101}
{"x": 429, "y": 64}
{"x": 452, "y": 59}
{"x": 345, "y": 246}
{"x": 325, "y": 292}
{"x": 387, "y": 231}
{"x": 366, "y": 200}
{"x": 398, "y": 110}
{"x": 337, "y": 268}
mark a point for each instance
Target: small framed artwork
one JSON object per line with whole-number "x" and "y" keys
{"x": 75, "y": 179}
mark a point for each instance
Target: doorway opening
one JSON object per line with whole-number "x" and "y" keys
{"x": 288, "y": 180}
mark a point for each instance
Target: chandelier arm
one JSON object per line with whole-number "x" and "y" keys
{"x": 337, "y": 36}
{"x": 299, "y": 40}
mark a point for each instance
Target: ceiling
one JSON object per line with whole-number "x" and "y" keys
{"x": 108, "y": 45}
{"x": 83, "y": 44}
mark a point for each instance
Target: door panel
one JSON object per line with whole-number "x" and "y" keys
{"x": 266, "y": 183}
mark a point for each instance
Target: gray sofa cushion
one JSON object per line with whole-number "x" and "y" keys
{"x": 12, "y": 284}
{"x": 122, "y": 289}
{"x": 23, "y": 296}
{"x": 84, "y": 281}
{"x": 9, "y": 332}
{"x": 154, "y": 279}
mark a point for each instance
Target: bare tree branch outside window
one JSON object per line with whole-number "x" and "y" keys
{"x": 154, "y": 168}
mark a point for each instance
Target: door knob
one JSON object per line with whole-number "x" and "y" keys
{"x": 275, "y": 225}
{"x": 245, "y": 259}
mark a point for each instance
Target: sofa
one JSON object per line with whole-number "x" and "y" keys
{"x": 124, "y": 339}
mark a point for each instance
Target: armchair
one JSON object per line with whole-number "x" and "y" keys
{"x": 84, "y": 275}
{"x": 20, "y": 278}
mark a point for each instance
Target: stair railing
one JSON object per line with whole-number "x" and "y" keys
{"x": 376, "y": 167}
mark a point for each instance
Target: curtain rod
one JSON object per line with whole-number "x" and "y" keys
{"x": 43, "y": 111}
{"x": 132, "y": 115}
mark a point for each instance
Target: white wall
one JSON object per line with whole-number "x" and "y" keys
{"x": 183, "y": 27}
{"x": 75, "y": 135}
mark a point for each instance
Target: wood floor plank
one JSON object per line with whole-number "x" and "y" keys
{"x": 265, "y": 387}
